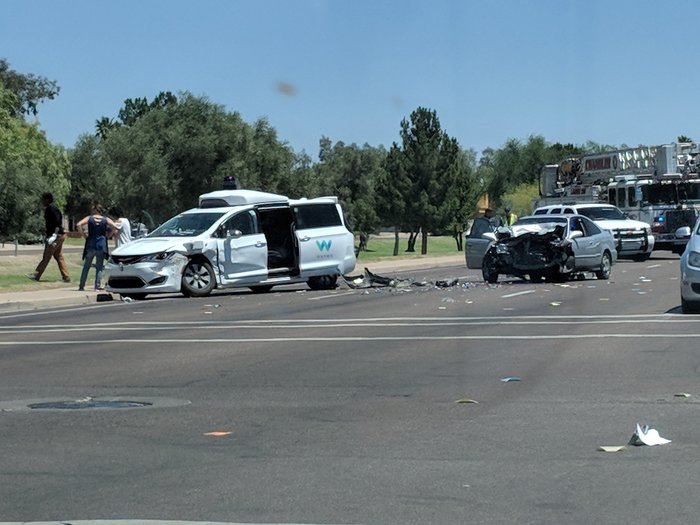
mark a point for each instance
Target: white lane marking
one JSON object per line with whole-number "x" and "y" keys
{"x": 165, "y": 326}
{"x": 517, "y": 293}
{"x": 351, "y": 339}
{"x": 320, "y": 298}
{"x": 146, "y": 327}
{"x": 351, "y": 320}
{"x": 654, "y": 266}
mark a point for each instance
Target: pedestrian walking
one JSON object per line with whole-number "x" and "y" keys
{"x": 123, "y": 233}
{"x": 96, "y": 246}
{"x": 53, "y": 241}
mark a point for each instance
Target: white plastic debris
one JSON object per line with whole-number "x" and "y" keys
{"x": 510, "y": 379}
{"x": 644, "y": 435}
{"x": 612, "y": 448}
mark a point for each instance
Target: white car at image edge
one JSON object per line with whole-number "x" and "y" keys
{"x": 690, "y": 273}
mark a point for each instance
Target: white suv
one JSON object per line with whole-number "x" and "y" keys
{"x": 237, "y": 238}
{"x": 633, "y": 239}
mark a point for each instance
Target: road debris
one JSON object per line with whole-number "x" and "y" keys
{"x": 681, "y": 394}
{"x": 373, "y": 280}
{"x": 612, "y": 448}
{"x": 467, "y": 401}
{"x": 509, "y": 379}
{"x": 218, "y": 433}
{"x": 643, "y": 435}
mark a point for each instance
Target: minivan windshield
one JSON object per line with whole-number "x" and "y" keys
{"x": 602, "y": 213}
{"x": 187, "y": 224}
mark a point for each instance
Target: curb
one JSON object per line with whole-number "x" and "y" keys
{"x": 41, "y": 299}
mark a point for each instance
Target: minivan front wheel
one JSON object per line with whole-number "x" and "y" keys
{"x": 198, "y": 279}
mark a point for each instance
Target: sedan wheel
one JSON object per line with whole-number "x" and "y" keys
{"x": 605, "y": 266}
{"x": 198, "y": 279}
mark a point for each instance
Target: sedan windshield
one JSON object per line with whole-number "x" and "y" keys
{"x": 187, "y": 225}
{"x": 602, "y": 213}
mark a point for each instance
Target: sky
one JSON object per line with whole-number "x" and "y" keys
{"x": 610, "y": 71}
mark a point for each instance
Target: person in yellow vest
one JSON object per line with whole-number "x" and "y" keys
{"x": 509, "y": 218}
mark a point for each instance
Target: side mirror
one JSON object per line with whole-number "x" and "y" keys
{"x": 489, "y": 235}
{"x": 683, "y": 232}
{"x": 576, "y": 234}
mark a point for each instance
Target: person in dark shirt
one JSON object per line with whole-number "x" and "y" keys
{"x": 53, "y": 243}
{"x": 98, "y": 226}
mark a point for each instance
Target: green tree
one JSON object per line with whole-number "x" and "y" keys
{"x": 351, "y": 173}
{"x": 165, "y": 153}
{"x": 434, "y": 165}
{"x": 104, "y": 127}
{"x": 29, "y": 166}
{"x": 28, "y": 90}
{"x": 393, "y": 187}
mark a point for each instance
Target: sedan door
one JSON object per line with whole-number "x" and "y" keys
{"x": 477, "y": 244}
{"x": 587, "y": 247}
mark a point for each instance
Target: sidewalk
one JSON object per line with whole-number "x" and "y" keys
{"x": 68, "y": 295}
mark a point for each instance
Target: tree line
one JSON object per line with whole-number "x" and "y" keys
{"x": 156, "y": 156}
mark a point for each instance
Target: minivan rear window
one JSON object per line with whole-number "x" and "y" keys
{"x": 309, "y": 216}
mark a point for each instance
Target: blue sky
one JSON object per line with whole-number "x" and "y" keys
{"x": 604, "y": 70}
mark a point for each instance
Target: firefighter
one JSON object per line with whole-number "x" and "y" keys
{"x": 509, "y": 218}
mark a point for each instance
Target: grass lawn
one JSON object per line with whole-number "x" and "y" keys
{"x": 382, "y": 248}
{"x": 14, "y": 270}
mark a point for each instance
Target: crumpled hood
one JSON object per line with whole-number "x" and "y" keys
{"x": 147, "y": 246}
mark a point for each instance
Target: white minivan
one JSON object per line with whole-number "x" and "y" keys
{"x": 237, "y": 238}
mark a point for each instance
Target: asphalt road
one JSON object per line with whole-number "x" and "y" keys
{"x": 341, "y": 407}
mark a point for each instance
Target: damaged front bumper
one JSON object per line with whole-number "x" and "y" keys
{"x": 532, "y": 255}
{"x": 161, "y": 273}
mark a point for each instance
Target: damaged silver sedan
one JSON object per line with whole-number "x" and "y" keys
{"x": 549, "y": 247}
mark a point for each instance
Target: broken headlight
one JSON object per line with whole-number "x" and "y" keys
{"x": 157, "y": 257}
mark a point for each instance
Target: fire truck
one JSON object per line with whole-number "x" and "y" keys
{"x": 658, "y": 185}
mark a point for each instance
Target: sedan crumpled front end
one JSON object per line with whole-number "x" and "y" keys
{"x": 536, "y": 255}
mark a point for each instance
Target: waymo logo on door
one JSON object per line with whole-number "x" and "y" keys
{"x": 324, "y": 246}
